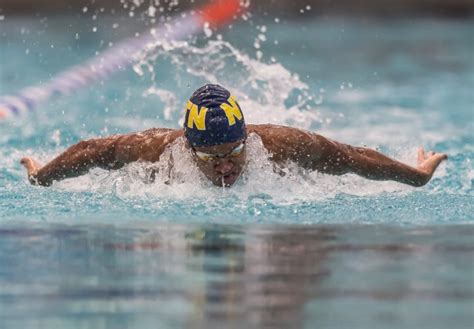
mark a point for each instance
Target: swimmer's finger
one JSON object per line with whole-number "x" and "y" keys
{"x": 26, "y": 162}
{"x": 441, "y": 156}
{"x": 438, "y": 156}
{"x": 421, "y": 154}
{"x": 433, "y": 162}
{"x": 30, "y": 165}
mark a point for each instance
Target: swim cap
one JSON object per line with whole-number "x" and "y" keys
{"x": 213, "y": 117}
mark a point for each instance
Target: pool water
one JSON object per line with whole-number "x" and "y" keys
{"x": 166, "y": 275}
{"x": 111, "y": 250}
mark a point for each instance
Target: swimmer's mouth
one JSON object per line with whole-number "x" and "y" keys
{"x": 229, "y": 179}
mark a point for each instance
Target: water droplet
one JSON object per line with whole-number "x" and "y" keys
{"x": 84, "y": 10}
{"x": 207, "y": 30}
{"x": 151, "y": 11}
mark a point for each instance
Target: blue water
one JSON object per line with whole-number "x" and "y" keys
{"x": 148, "y": 275}
{"x": 108, "y": 250}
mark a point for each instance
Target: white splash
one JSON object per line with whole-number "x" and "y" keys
{"x": 268, "y": 93}
{"x": 178, "y": 178}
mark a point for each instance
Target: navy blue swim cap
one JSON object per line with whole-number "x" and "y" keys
{"x": 213, "y": 117}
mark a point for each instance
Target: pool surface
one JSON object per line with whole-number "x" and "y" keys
{"x": 148, "y": 275}
{"x": 112, "y": 250}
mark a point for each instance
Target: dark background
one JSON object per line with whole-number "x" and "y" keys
{"x": 295, "y": 8}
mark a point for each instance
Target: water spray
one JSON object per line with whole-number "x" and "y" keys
{"x": 215, "y": 14}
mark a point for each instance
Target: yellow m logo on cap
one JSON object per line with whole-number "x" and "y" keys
{"x": 196, "y": 118}
{"x": 232, "y": 111}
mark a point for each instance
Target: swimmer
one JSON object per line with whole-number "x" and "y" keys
{"x": 215, "y": 133}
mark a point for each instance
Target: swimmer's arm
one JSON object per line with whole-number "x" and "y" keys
{"x": 107, "y": 153}
{"x": 336, "y": 158}
{"x": 316, "y": 152}
{"x": 75, "y": 161}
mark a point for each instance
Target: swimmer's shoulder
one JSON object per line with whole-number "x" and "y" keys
{"x": 283, "y": 142}
{"x": 270, "y": 133}
{"x": 267, "y": 129}
{"x": 147, "y": 145}
{"x": 152, "y": 135}
{"x": 161, "y": 132}
{"x": 273, "y": 138}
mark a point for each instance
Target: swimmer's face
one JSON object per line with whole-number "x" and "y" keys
{"x": 222, "y": 164}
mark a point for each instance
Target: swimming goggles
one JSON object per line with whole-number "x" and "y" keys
{"x": 209, "y": 157}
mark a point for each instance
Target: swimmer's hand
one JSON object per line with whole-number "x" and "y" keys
{"x": 32, "y": 168}
{"x": 428, "y": 162}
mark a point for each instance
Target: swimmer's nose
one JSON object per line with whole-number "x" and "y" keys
{"x": 223, "y": 167}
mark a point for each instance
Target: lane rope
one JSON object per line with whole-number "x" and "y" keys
{"x": 216, "y": 13}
